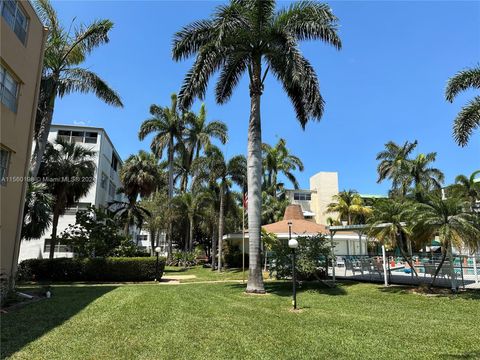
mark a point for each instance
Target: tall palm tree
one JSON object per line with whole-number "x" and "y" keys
{"x": 389, "y": 223}
{"x": 213, "y": 167}
{"x": 348, "y": 204}
{"x": 190, "y": 203}
{"x": 251, "y": 37}
{"x": 199, "y": 133}
{"x": 64, "y": 52}
{"x": 278, "y": 160}
{"x": 393, "y": 164}
{"x": 140, "y": 176}
{"x": 423, "y": 176}
{"x": 469, "y": 117}
{"x": 167, "y": 124}
{"x": 450, "y": 220}
{"x": 468, "y": 188}
{"x": 68, "y": 164}
{"x": 37, "y": 213}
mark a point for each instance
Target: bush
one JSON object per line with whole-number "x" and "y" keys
{"x": 96, "y": 269}
{"x": 233, "y": 257}
{"x": 312, "y": 253}
{"x": 183, "y": 259}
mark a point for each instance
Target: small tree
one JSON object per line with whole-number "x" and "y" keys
{"x": 95, "y": 234}
{"x": 312, "y": 255}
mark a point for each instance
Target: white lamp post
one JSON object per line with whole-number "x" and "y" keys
{"x": 293, "y": 244}
{"x": 157, "y": 251}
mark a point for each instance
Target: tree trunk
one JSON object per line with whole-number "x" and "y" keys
{"x": 214, "y": 249}
{"x": 406, "y": 256}
{"x": 152, "y": 242}
{"x": 41, "y": 136}
{"x": 190, "y": 238}
{"x": 438, "y": 269}
{"x": 53, "y": 240}
{"x": 127, "y": 223}
{"x": 254, "y": 176}
{"x": 220, "y": 225}
{"x": 453, "y": 280}
{"x": 170, "y": 197}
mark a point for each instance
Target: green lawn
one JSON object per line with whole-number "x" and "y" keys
{"x": 205, "y": 274}
{"x": 218, "y": 321}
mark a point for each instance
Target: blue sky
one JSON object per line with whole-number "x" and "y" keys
{"x": 385, "y": 84}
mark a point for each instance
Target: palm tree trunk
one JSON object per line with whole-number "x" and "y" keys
{"x": 127, "y": 223}
{"x": 438, "y": 269}
{"x": 453, "y": 280}
{"x": 152, "y": 242}
{"x": 405, "y": 255}
{"x": 170, "y": 196}
{"x": 53, "y": 240}
{"x": 41, "y": 138}
{"x": 214, "y": 249}
{"x": 254, "y": 183}
{"x": 190, "y": 237}
{"x": 220, "y": 225}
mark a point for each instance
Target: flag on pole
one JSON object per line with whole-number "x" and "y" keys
{"x": 245, "y": 199}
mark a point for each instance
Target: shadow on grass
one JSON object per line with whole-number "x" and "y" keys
{"x": 285, "y": 288}
{"x": 24, "y": 325}
{"x": 437, "y": 292}
{"x": 468, "y": 355}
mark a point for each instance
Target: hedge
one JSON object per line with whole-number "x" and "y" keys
{"x": 90, "y": 269}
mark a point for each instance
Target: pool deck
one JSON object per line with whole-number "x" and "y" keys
{"x": 400, "y": 277}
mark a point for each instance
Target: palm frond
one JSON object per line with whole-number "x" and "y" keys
{"x": 462, "y": 81}
{"x": 84, "y": 81}
{"x": 467, "y": 120}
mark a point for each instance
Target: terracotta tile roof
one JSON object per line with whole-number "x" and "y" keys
{"x": 294, "y": 214}
{"x": 298, "y": 227}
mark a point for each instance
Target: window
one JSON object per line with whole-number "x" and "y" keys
{"x": 302, "y": 196}
{"x": 77, "y": 136}
{"x": 103, "y": 181}
{"x": 114, "y": 163}
{"x": 91, "y": 137}
{"x": 4, "y": 160}
{"x": 8, "y": 89}
{"x": 112, "y": 190}
{"x": 15, "y": 17}
{"x": 79, "y": 206}
{"x": 142, "y": 238}
{"x": 58, "y": 247}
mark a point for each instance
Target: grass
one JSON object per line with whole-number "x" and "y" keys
{"x": 205, "y": 274}
{"x": 219, "y": 321}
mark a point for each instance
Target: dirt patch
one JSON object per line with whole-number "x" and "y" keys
{"x": 296, "y": 311}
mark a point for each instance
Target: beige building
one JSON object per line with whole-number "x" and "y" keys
{"x": 21, "y": 56}
{"x": 314, "y": 202}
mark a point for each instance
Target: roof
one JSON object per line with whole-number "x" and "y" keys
{"x": 299, "y": 226}
{"x": 294, "y": 215}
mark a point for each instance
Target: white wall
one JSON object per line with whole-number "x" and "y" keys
{"x": 96, "y": 196}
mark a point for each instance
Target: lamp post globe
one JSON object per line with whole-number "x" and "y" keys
{"x": 292, "y": 243}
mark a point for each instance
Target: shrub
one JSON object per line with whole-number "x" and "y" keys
{"x": 96, "y": 269}
{"x": 183, "y": 259}
{"x": 312, "y": 253}
{"x": 233, "y": 257}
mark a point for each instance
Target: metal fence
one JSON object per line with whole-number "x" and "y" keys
{"x": 395, "y": 269}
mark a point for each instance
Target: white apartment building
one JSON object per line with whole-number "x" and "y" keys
{"x": 104, "y": 189}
